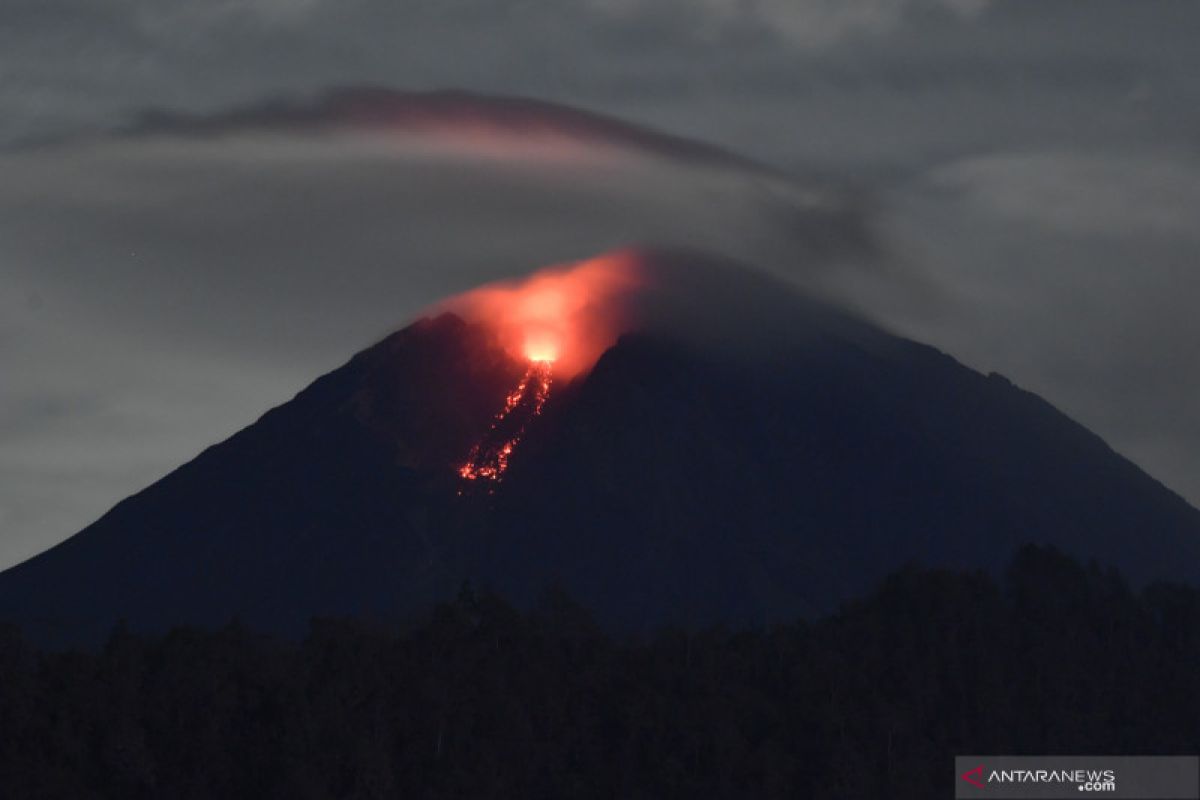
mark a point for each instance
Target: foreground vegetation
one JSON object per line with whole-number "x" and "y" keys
{"x": 481, "y": 700}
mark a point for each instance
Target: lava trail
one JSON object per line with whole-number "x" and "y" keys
{"x": 489, "y": 457}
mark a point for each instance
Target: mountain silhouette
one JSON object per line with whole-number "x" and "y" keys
{"x": 673, "y": 483}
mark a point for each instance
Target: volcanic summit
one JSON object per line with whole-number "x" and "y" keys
{"x": 660, "y": 461}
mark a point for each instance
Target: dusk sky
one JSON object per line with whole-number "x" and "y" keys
{"x": 205, "y": 206}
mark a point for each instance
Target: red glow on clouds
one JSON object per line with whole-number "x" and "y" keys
{"x": 565, "y": 316}
{"x": 558, "y": 320}
{"x": 484, "y": 142}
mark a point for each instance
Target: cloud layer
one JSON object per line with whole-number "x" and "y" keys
{"x": 808, "y": 24}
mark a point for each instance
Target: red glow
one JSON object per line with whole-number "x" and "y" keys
{"x": 559, "y": 320}
{"x": 563, "y": 315}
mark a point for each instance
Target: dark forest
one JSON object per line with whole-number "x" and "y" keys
{"x": 482, "y": 700}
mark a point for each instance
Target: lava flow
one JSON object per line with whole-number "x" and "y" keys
{"x": 559, "y": 320}
{"x": 489, "y": 457}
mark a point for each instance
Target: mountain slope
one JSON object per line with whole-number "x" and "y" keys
{"x": 672, "y": 484}
{"x": 314, "y": 507}
{"x": 772, "y": 491}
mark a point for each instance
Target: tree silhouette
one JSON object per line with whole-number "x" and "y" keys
{"x": 483, "y": 700}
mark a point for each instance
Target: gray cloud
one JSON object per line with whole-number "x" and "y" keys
{"x": 802, "y": 23}
{"x": 467, "y": 122}
{"x": 1102, "y": 195}
{"x": 930, "y": 86}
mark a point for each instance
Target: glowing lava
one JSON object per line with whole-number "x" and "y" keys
{"x": 489, "y": 457}
{"x": 558, "y": 320}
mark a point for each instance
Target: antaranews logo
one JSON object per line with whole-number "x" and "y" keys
{"x": 1135, "y": 777}
{"x": 1083, "y": 780}
{"x": 975, "y": 776}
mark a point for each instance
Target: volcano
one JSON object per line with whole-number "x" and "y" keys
{"x": 679, "y": 479}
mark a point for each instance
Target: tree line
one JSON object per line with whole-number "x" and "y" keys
{"x": 481, "y": 700}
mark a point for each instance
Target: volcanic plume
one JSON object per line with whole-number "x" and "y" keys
{"x": 566, "y": 315}
{"x": 559, "y": 320}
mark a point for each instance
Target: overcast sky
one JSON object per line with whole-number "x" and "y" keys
{"x": 202, "y": 209}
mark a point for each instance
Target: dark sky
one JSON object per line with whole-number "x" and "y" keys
{"x": 193, "y": 224}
